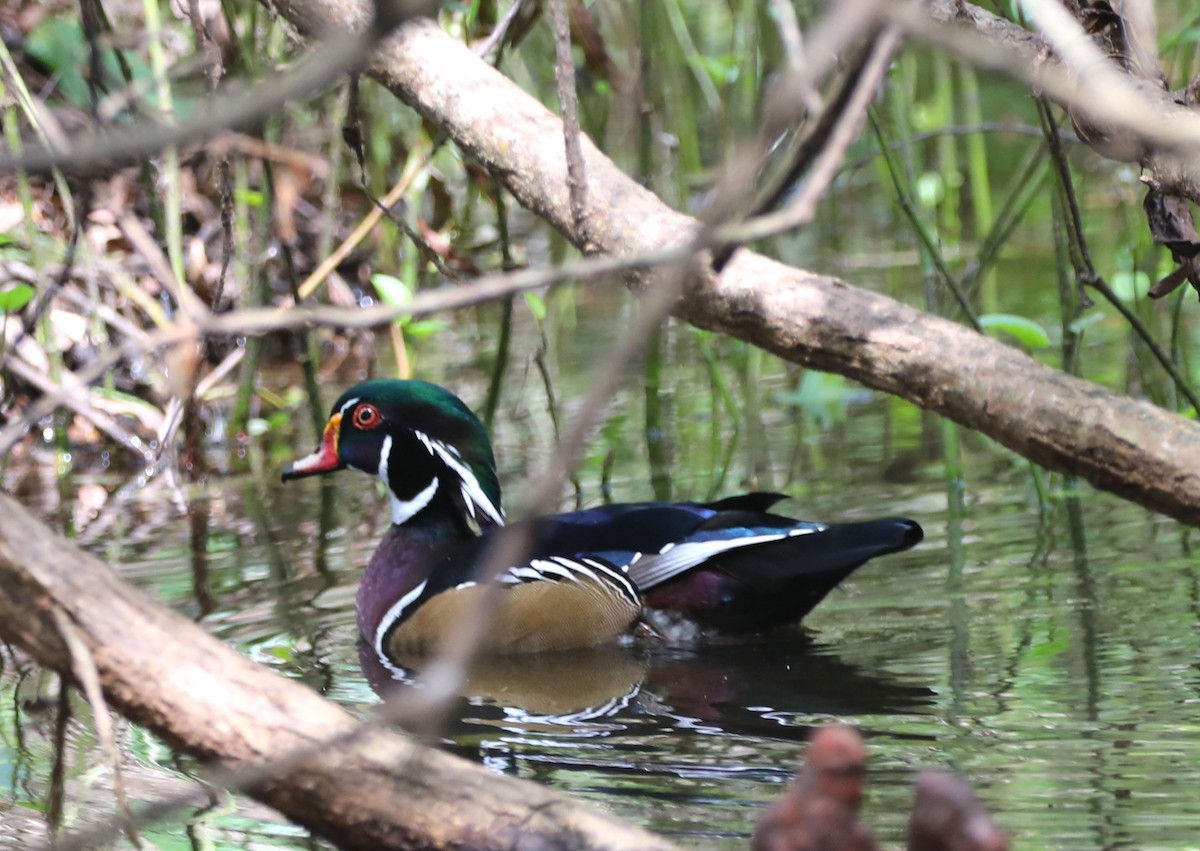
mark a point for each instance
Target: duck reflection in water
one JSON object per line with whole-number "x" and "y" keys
{"x": 763, "y": 686}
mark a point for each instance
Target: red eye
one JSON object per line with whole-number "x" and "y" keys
{"x": 367, "y": 416}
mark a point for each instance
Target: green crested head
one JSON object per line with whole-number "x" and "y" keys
{"x": 430, "y": 450}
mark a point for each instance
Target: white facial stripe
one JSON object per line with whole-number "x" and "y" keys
{"x": 405, "y": 509}
{"x": 350, "y": 403}
{"x": 384, "y": 454}
{"x": 473, "y": 494}
{"x": 393, "y": 615}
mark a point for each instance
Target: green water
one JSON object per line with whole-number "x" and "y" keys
{"x": 1049, "y": 656}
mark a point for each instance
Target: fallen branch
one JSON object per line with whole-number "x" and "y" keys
{"x": 1129, "y": 447}
{"x": 373, "y": 789}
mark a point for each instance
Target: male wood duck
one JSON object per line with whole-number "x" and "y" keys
{"x": 730, "y": 565}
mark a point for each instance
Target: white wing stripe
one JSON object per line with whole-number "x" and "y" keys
{"x": 550, "y": 568}
{"x": 674, "y": 559}
{"x": 558, "y": 568}
{"x": 524, "y": 574}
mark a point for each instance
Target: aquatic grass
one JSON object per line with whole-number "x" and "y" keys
{"x": 752, "y": 48}
{"x": 669, "y": 132}
{"x": 168, "y": 190}
{"x": 978, "y": 176}
{"x": 504, "y": 336}
{"x": 722, "y": 447}
{"x": 1025, "y": 189}
{"x": 758, "y": 460}
{"x": 256, "y": 292}
{"x": 657, "y": 427}
{"x": 948, "y": 170}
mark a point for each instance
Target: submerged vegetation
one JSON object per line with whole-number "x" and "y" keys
{"x": 964, "y": 195}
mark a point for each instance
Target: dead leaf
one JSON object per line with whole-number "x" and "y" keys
{"x": 12, "y": 213}
{"x": 1169, "y": 217}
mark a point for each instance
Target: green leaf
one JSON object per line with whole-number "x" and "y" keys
{"x": 15, "y": 297}
{"x": 419, "y": 329}
{"x": 1129, "y": 285}
{"x": 722, "y": 70}
{"x": 1028, "y": 333}
{"x": 931, "y": 189}
{"x": 391, "y": 290}
{"x": 250, "y": 197}
{"x": 536, "y": 305}
{"x": 59, "y": 44}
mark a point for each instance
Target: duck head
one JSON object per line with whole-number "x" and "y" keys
{"x": 423, "y": 443}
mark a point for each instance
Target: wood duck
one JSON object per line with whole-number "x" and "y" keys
{"x": 729, "y": 565}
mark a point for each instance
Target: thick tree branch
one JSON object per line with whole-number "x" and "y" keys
{"x": 375, "y": 790}
{"x": 1129, "y": 447}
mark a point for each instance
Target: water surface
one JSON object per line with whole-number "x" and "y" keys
{"x": 1049, "y": 656}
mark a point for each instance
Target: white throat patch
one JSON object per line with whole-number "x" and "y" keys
{"x": 403, "y": 509}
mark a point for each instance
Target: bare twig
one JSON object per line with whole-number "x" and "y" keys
{"x": 492, "y": 43}
{"x": 194, "y": 310}
{"x": 828, "y": 162}
{"x": 309, "y": 285}
{"x": 83, "y": 667}
{"x": 568, "y": 102}
{"x": 341, "y": 53}
{"x": 73, "y": 392}
{"x": 787, "y": 104}
{"x": 793, "y": 45}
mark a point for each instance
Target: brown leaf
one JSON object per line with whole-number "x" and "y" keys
{"x": 1171, "y": 224}
{"x": 1107, "y": 29}
{"x": 1171, "y": 282}
{"x": 287, "y": 197}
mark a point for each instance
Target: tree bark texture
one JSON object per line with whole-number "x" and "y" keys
{"x": 161, "y": 670}
{"x": 1129, "y": 447}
